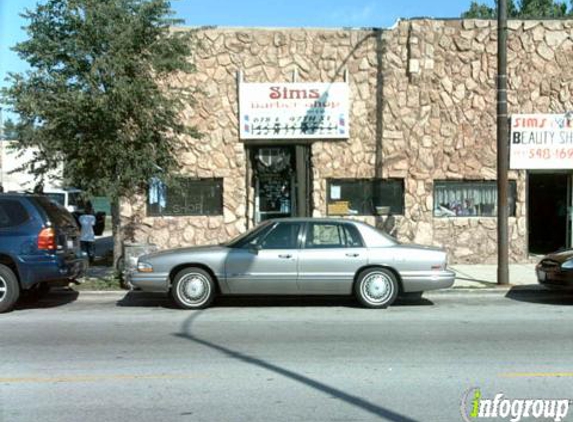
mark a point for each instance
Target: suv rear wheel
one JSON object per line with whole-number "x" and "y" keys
{"x": 9, "y": 289}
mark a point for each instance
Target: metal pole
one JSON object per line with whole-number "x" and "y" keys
{"x": 502, "y": 147}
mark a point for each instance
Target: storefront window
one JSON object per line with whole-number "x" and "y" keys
{"x": 365, "y": 197}
{"x": 185, "y": 197}
{"x": 469, "y": 198}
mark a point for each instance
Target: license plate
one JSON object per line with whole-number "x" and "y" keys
{"x": 542, "y": 276}
{"x": 70, "y": 244}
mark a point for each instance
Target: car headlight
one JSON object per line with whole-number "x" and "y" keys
{"x": 144, "y": 267}
{"x": 568, "y": 265}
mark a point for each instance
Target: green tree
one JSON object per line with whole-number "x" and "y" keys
{"x": 9, "y": 131}
{"x": 101, "y": 96}
{"x": 479, "y": 11}
{"x": 542, "y": 8}
{"x": 525, "y": 9}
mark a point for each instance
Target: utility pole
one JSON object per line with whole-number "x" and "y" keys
{"x": 502, "y": 146}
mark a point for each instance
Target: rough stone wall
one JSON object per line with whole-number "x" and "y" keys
{"x": 356, "y": 53}
{"x": 422, "y": 109}
{"x": 439, "y": 120}
{"x": 262, "y": 56}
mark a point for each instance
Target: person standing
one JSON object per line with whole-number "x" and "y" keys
{"x": 87, "y": 236}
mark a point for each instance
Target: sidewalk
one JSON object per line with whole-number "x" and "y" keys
{"x": 485, "y": 276}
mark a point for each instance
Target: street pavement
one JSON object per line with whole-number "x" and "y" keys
{"x": 133, "y": 357}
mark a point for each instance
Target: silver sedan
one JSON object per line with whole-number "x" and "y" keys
{"x": 297, "y": 256}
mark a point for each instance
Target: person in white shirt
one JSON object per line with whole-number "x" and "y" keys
{"x": 87, "y": 236}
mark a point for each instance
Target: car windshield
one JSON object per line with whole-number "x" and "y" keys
{"x": 75, "y": 199}
{"x": 58, "y": 198}
{"x": 246, "y": 237}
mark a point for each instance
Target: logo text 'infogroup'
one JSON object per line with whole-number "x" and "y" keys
{"x": 474, "y": 407}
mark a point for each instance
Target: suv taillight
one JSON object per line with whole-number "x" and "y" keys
{"x": 47, "y": 239}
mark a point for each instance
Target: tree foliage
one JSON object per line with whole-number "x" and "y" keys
{"x": 524, "y": 9}
{"x": 101, "y": 95}
{"x": 9, "y": 130}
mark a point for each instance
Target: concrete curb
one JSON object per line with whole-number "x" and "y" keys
{"x": 486, "y": 290}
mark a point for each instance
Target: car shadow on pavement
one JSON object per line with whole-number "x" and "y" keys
{"x": 540, "y": 295}
{"x": 283, "y": 301}
{"x": 356, "y": 401}
{"x": 418, "y": 301}
{"x": 305, "y": 301}
{"x": 54, "y": 299}
{"x": 144, "y": 299}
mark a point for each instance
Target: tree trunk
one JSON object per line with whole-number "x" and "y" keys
{"x": 117, "y": 236}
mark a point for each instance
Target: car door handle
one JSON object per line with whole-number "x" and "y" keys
{"x": 353, "y": 255}
{"x": 285, "y": 256}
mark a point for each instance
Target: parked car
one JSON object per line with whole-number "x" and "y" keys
{"x": 556, "y": 270}
{"x": 296, "y": 257}
{"x": 39, "y": 247}
{"x": 73, "y": 200}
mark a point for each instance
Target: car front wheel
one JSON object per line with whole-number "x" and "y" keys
{"x": 193, "y": 288}
{"x": 9, "y": 288}
{"x": 376, "y": 288}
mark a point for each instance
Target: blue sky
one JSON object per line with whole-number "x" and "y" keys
{"x": 260, "y": 13}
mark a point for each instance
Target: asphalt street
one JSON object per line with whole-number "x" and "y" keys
{"x": 133, "y": 357}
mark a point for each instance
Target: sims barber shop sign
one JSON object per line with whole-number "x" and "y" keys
{"x": 293, "y": 110}
{"x": 541, "y": 141}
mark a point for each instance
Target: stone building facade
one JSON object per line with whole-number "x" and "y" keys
{"x": 422, "y": 109}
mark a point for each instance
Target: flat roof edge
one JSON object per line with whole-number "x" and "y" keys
{"x": 280, "y": 28}
{"x": 357, "y": 28}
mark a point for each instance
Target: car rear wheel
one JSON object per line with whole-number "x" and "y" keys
{"x": 376, "y": 288}
{"x": 9, "y": 288}
{"x": 193, "y": 288}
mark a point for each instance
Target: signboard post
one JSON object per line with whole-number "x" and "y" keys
{"x": 293, "y": 110}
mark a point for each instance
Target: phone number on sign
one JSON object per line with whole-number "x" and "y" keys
{"x": 551, "y": 154}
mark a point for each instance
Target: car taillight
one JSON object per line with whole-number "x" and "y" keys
{"x": 47, "y": 239}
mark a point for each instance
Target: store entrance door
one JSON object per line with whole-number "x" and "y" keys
{"x": 549, "y": 217}
{"x": 281, "y": 177}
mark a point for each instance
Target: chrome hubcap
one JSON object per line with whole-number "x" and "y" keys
{"x": 194, "y": 289}
{"x": 3, "y": 289}
{"x": 377, "y": 288}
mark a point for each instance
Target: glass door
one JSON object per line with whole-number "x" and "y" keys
{"x": 281, "y": 178}
{"x": 274, "y": 179}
